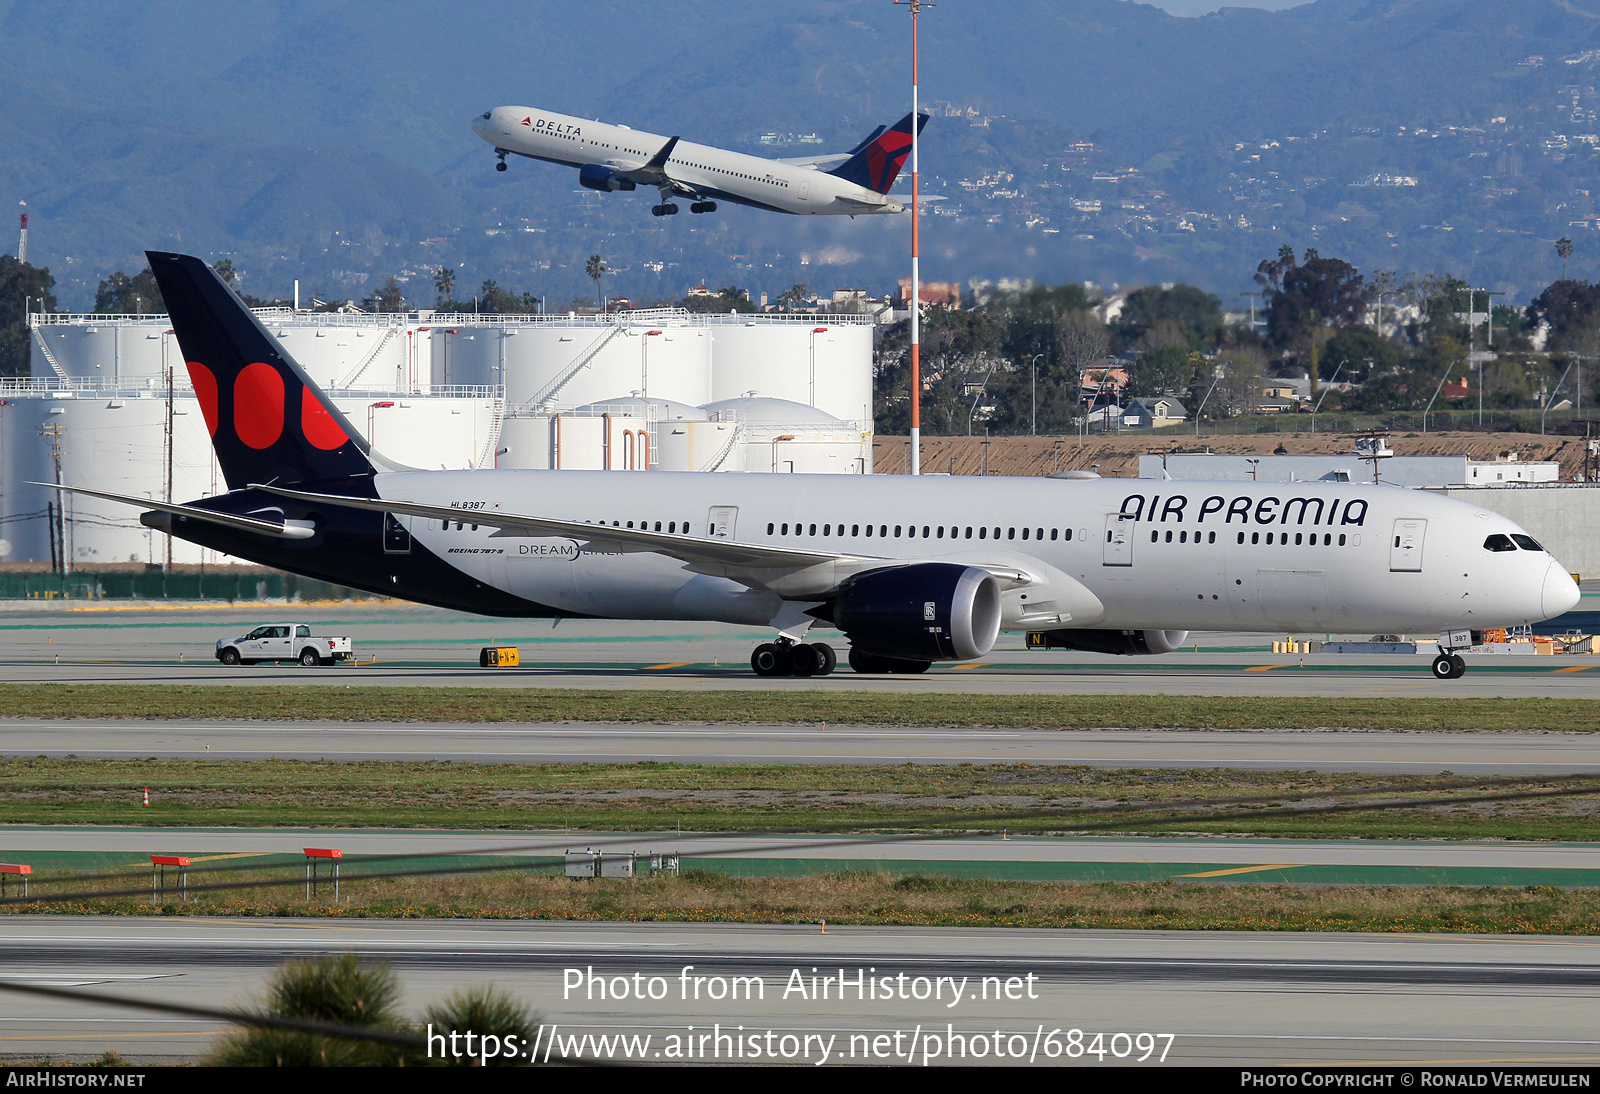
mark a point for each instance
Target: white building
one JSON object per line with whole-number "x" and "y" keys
{"x": 646, "y": 390}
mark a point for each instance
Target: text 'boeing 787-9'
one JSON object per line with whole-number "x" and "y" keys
{"x": 614, "y": 157}
{"x": 912, "y": 570}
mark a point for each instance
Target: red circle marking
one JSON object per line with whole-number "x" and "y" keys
{"x": 317, "y": 424}
{"x": 258, "y": 405}
{"x": 205, "y": 389}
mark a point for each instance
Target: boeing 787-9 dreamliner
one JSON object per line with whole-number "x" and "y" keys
{"x": 911, "y": 570}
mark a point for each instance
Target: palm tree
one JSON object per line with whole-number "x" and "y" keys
{"x": 444, "y": 280}
{"x": 1564, "y": 249}
{"x": 596, "y": 269}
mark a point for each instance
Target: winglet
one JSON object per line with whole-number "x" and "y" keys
{"x": 659, "y": 160}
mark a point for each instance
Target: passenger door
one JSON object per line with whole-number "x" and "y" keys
{"x": 1405, "y": 547}
{"x": 1119, "y": 540}
{"x": 721, "y": 520}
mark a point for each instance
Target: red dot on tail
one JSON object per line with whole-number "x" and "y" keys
{"x": 258, "y": 405}
{"x": 317, "y": 424}
{"x": 205, "y": 389}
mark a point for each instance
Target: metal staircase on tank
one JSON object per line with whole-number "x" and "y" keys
{"x": 372, "y": 354}
{"x": 546, "y": 395}
{"x": 734, "y": 436}
{"x": 44, "y": 348}
{"x": 491, "y": 448}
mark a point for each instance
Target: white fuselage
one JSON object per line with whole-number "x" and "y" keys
{"x": 714, "y": 172}
{"x": 1155, "y": 554}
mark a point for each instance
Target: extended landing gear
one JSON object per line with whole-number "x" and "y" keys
{"x": 501, "y": 166}
{"x": 789, "y": 658}
{"x": 666, "y": 210}
{"x": 703, "y": 207}
{"x": 1449, "y": 666}
{"x": 865, "y": 662}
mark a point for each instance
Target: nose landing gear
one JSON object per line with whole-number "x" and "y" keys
{"x": 501, "y": 166}
{"x": 786, "y": 657}
{"x": 1449, "y": 666}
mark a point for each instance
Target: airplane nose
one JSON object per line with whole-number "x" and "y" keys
{"x": 1561, "y": 593}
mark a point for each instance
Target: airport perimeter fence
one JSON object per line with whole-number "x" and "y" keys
{"x": 154, "y": 584}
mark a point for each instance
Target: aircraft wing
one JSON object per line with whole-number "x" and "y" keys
{"x": 785, "y": 570}
{"x": 816, "y": 161}
{"x": 654, "y": 170}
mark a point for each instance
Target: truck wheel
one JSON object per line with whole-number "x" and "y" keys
{"x": 309, "y": 658}
{"x": 229, "y": 656}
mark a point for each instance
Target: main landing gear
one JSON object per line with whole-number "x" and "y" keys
{"x": 666, "y": 209}
{"x": 703, "y": 207}
{"x": 1449, "y": 666}
{"x": 786, "y": 657}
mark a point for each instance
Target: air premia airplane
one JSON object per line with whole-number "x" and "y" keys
{"x": 912, "y": 570}
{"x": 614, "y": 157}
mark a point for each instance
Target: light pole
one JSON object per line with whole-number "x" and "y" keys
{"x": 775, "y": 440}
{"x": 644, "y": 362}
{"x": 1033, "y": 414}
{"x": 915, "y": 302}
{"x": 1323, "y": 396}
{"x": 814, "y": 332}
{"x": 1546, "y": 408}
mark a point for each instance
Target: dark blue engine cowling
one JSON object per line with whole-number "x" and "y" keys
{"x": 931, "y": 611}
{"x": 596, "y": 177}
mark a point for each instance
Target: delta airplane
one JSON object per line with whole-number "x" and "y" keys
{"x": 912, "y": 570}
{"x": 615, "y": 157}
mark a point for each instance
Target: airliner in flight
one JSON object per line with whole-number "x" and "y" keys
{"x": 911, "y": 570}
{"x": 615, "y": 157}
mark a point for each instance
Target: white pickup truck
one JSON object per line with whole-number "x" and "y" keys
{"x": 283, "y": 642}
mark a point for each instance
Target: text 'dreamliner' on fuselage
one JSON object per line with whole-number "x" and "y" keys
{"x": 912, "y": 570}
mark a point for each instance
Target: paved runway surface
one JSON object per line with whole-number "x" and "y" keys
{"x": 1354, "y": 751}
{"x": 1225, "y": 998}
{"x": 163, "y": 644}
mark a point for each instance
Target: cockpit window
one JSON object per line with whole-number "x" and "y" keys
{"x": 485, "y": 115}
{"x": 1498, "y": 542}
{"x": 1527, "y": 543}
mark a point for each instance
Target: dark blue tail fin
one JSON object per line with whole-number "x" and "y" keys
{"x": 878, "y": 159}
{"x": 268, "y": 422}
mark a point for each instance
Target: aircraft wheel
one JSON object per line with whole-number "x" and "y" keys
{"x": 803, "y": 660}
{"x": 501, "y": 166}
{"x": 767, "y": 660}
{"x": 1458, "y": 665}
{"x": 669, "y": 209}
{"x": 827, "y": 660}
{"x": 658, "y": 210}
{"x": 864, "y": 662}
{"x": 1444, "y": 667}
{"x": 229, "y": 657}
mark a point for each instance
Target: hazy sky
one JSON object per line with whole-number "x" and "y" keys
{"x": 1201, "y": 7}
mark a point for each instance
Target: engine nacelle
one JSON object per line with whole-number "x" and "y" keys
{"x": 1123, "y": 643}
{"x": 596, "y": 177}
{"x": 932, "y": 611}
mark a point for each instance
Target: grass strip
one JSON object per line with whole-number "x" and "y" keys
{"x": 642, "y": 797}
{"x": 345, "y": 703}
{"x": 884, "y": 899}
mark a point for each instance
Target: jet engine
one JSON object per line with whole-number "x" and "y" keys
{"x": 930, "y": 611}
{"x": 596, "y": 177}
{"x": 1124, "y": 643}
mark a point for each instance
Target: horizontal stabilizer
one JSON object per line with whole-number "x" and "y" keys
{"x": 277, "y": 529}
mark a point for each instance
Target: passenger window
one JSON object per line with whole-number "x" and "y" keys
{"x": 1024, "y": 533}
{"x": 969, "y": 533}
{"x": 1211, "y": 538}
{"x": 883, "y": 530}
{"x": 1155, "y": 536}
{"x": 869, "y": 531}
{"x": 1297, "y": 537}
{"x": 770, "y": 526}
{"x": 813, "y": 529}
{"x": 896, "y": 531}
{"x": 825, "y": 528}
{"x": 1341, "y": 539}
{"x": 983, "y": 533}
{"x": 941, "y": 532}
{"x": 1053, "y": 532}
{"x": 924, "y": 531}
{"x": 658, "y": 526}
{"x": 785, "y": 529}
{"x": 1068, "y": 535}
{"x": 1255, "y": 537}
{"x": 672, "y": 528}
{"x": 855, "y": 529}
{"x": 1169, "y": 537}
{"x": 1011, "y": 533}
